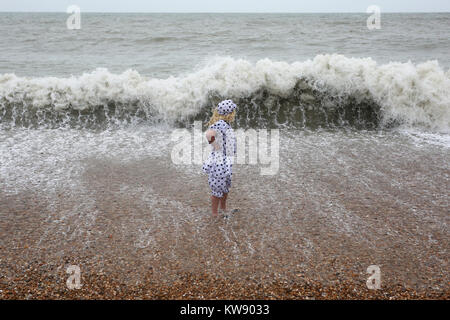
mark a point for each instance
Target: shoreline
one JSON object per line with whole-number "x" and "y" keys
{"x": 142, "y": 227}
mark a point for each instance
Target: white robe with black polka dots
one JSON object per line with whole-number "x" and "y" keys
{"x": 219, "y": 164}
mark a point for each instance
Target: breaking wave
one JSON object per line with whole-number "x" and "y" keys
{"x": 327, "y": 91}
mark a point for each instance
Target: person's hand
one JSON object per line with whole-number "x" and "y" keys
{"x": 210, "y": 135}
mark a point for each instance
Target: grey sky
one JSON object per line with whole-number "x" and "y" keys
{"x": 226, "y": 5}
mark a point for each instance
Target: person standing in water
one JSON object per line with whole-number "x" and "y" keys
{"x": 219, "y": 164}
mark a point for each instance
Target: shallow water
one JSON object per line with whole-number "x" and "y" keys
{"x": 344, "y": 195}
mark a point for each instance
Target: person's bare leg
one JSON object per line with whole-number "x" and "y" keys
{"x": 214, "y": 205}
{"x": 223, "y": 202}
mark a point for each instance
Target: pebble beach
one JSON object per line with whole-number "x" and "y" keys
{"x": 143, "y": 230}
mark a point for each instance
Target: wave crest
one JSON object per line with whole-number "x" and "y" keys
{"x": 329, "y": 90}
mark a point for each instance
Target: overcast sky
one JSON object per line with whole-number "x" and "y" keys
{"x": 226, "y": 5}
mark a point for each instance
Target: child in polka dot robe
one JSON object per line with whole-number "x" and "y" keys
{"x": 219, "y": 165}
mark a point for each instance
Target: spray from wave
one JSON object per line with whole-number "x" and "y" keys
{"x": 327, "y": 91}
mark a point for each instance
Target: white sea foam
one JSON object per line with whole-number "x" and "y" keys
{"x": 427, "y": 138}
{"x": 414, "y": 95}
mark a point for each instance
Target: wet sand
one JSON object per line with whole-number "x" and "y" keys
{"x": 142, "y": 229}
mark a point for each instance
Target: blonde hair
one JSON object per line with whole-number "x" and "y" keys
{"x": 216, "y": 117}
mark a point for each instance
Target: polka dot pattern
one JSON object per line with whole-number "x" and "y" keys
{"x": 219, "y": 165}
{"x": 219, "y": 186}
{"x": 226, "y": 107}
